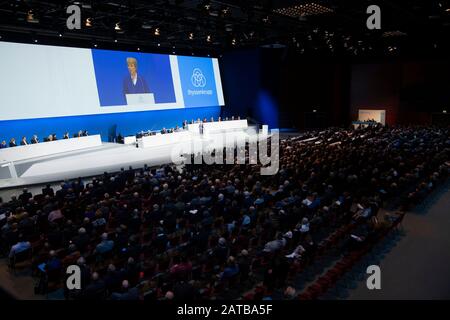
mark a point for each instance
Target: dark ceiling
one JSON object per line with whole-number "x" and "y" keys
{"x": 323, "y": 26}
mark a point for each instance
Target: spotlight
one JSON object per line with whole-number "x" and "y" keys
{"x": 208, "y": 38}
{"x": 115, "y": 40}
{"x": 159, "y": 44}
{"x": 88, "y": 22}
{"x": 157, "y": 32}
{"x": 444, "y": 111}
{"x": 233, "y": 42}
{"x": 138, "y": 49}
{"x": 191, "y": 36}
{"x": 95, "y": 45}
{"x": 117, "y": 27}
{"x": 60, "y": 35}
{"x": 35, "y": 40}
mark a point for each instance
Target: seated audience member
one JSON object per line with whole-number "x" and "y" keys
{"x": 24, "y": 142}
{"x": 66, "y": 135}
{"x": 96, "y": 290}
{"x": 55, "y": 215}
{"x": 72, "y": 255}
{"x": 34, "y": 140}
{"x": 275, "y": 245}
{"x": 25, "y": 196}
{"x": 12, "y": 142}
{"x": 19, "y": 247}
{"x": 3, "y": 145}
{"x": 105, "y": 245}
{"x": 54, "y": 263}
{"x": 231, "y": 270}
{"x": 81, "y": 240}
{"x": 48, "y": 191}
{"x": 126, "y": 293}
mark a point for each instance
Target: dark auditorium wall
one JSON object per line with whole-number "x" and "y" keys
{"x": 409, "y": 90}
{"x": 376, "y": 86}
{"x": 281, "y": 88}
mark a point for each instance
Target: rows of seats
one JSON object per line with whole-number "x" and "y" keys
{"x": 221, "y": 231}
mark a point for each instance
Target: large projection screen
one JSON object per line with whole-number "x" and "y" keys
{"x": 38, "y": 81}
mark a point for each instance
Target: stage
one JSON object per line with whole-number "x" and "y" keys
{"x": 111, "y": 157}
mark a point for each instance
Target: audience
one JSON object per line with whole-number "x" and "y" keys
{"x": 208, "y": 231}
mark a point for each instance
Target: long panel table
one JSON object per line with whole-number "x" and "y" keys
{"x": 219, "y": 126}
{"x": 163, "y": 139}
{"x": 49, "y": 148}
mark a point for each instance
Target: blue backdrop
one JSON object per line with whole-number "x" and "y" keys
{"x": 106, "y": 124}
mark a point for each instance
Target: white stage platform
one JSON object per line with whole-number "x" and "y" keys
{"x": 110, "y": 157}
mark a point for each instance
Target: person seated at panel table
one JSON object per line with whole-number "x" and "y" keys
{"x": 134, "y": 83}
{"x": 232, "y": 118}
{"x": 34, "y": 140}
{"x": 66, "y": 135}
{"x": 205, "y": 120}
{"x": 185, "y": 124}
{"x": 54, "y": 138}
{"x": 192, "y": 121}
{"x": 219, "y": 119}
{"x": 198, "y": 120}
{"x": 226, "y": 119}
{"x": 12, "y": 142}
{"x": 212, "y": 119}
{"x": 3, "y": 145}
{"x": 239, "y": 117}
{"x": 85, "y": 133}
{"x": 24, "y": 142}
{"x": 163, "y": 131}
{"x": 50, "y": 137}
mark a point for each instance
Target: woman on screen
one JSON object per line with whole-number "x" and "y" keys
{"x": 133, "y": 83}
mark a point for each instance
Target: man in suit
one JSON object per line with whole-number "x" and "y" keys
{"x": 3, "y": 145}
{"x": 12, "y": 142}
{"x": 66, "y": 135}
{"x": 24, "y": 142}
{"x": 34, "y": 140}
{"x": 134, "y": 83}
{"x": 48, "y": 190}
